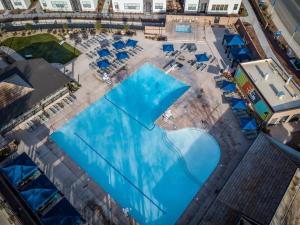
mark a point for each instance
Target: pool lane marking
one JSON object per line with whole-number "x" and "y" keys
{"x": 128, "y": 114}
{"x": 119, "y": 172}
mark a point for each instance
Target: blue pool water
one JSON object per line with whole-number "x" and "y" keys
{"x": 153, "y": 172}
{"x": 183, "y": 28}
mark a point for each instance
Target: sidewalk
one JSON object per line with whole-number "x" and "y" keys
{"x": 285, "y": 33}
{"x": 252, "y": 19}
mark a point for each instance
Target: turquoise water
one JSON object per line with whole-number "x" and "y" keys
{"x": 183, "y": 28}
{"x": 152, "y": 172}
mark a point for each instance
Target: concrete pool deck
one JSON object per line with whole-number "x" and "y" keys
{"x": 201, "y": 107}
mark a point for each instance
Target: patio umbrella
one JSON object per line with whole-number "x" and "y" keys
{"x": 233, "y": 40}
{"x": 228, "y": 86}
{"x": 201, "y": 58}
{"x": 103, "y": 64}
{"x": 248, "y": 124}
{"x": 131, "y": 43}
{"x": 119, "y": 45}
{"x": 103, "y": 52}
{"x": 168, "y": 48}
{"x": 122, "y": 55}
{"x": 238, "y": 104}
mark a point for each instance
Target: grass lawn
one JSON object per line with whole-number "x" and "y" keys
{"x": 42, "y": 46}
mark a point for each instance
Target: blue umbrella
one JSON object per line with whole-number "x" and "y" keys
{"x": 131, "y": 43}
{"x": 228, "y": 86}
{"x": 168, "y": 48}
{"x": 19, "y": 169}
{"x": 201, "y": 57}
{"x": 103, "y": 64}
{"x": 248, "y": 124}
{"x": 103, "y": 52}
{"x": 119, "y": 45}
{"x": 233, "y": 40}
{"x": 63, "y": 213}
{"x": 238, "y": 104}
{"x": 122, "y": 55}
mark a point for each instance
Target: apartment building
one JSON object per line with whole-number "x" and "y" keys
{"x": 14, "y": 4}
{"x": 57, "y": 5}
{"x": 212, "y": 6}
{"x": 1, "y": 6}
{"x": 88, "y": 5}
{"x": 139, "y": 6}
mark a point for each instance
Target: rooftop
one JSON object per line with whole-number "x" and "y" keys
{"x": 277, "y": 87}
{"x": 24, "y": 84}
{"x": 256, "y": 187}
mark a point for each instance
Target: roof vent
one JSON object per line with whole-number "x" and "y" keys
{"x": 288, "y": 80}
{"x": 266, "y": 76}
{"x": 280, "y": 94}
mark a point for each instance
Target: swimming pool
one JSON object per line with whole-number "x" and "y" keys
{"x": 153, "y": 172}
{"x": 183, "y": 28}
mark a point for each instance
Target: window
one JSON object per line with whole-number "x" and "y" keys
{"x": 132, "y": 6}
{"x": 219, "y": 7}
{"x": 86, "y": 4}
{"x": 235, "y": 7}
{"x": 159, "y": 6}
{"x": 18, "y": 3}
{"x": 117, "y": 6}
{"x": 44, "y": 4}
{"x": 192, "y": 7}
{"x": 58, "y": 4}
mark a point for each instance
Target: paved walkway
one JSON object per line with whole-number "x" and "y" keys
{"x": 280, "y": 25}
{"x": 252, "y": 19}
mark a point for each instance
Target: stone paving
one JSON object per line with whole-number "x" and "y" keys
{"x": 201, "y": 107}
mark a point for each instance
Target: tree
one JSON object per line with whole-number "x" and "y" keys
{"x": 98, "y": 26}
{"x": 65, "y": 26}
{"x": 28, "y": 26}
{"x": 126, "y": 27}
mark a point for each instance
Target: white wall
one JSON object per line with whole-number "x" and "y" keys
{"x": 120, "y": 6}
{"x": 159, "y": 2}
{"x": 20, "y": 4}
{"x": 230, "y": 9}
{"x": 188, "y": 5}
{"x": 56, "y": 5}
{"x": 88, "y": 5}
{"x": 1, "y": 6}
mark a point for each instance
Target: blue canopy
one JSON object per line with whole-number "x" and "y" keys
{"x": 168, "y": 48}
{"x": 103, "y": 64}
{"x": 248, "y": 124}
{"x": 38, "y": 192}
{"x": 62, "y": 213}
{"x": 233, "y": 40}
{"x": 228, "y": 86}
{"x": 103, "y": 52}
{"x": 119, "y": 45}
{"x": 19, "y": 169}
{"x": 201, "y": 57}
{"x": 238, "y": 104}
{"x": 240, "y": 54}
{"x": 131, "y": 43}
{"x": 122, "y": 55}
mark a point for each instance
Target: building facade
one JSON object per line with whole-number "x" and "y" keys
{"x": 272, "y": 93}
{"x": 88, "y": 5}
{"x": 212, "y": 6}
{"x": 128, "y": 6}
{"x": 1, "y": 6}
{"x": 14, "y": 4}
{"x": 139, "y": 6}
{"x": 56, "y": 5}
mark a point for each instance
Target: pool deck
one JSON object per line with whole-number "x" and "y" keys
{"x": 201, "y": 107}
